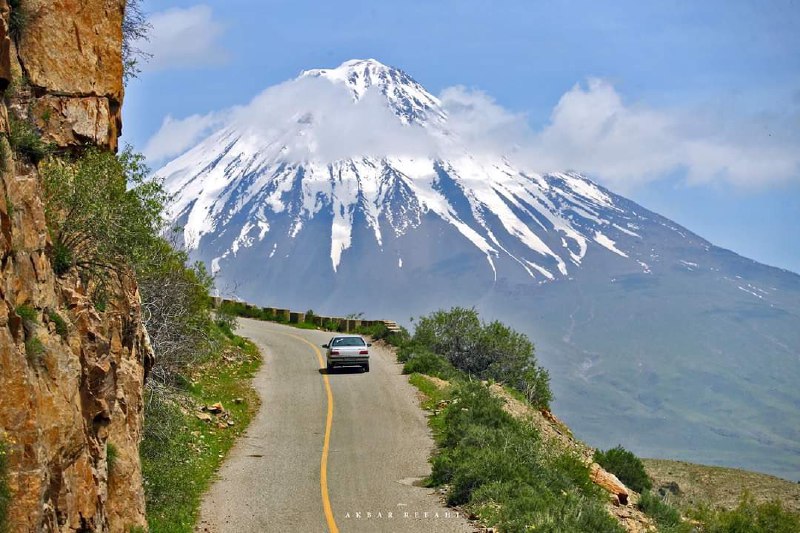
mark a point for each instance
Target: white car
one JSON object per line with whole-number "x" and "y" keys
{"x": 347, "y": 350}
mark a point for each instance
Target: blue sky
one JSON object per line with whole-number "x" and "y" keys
{"x": 706, "y": 82}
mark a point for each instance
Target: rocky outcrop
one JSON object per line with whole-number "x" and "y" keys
{"x": 70, "y": 54}
{"x": 71, "y": 376}
{"x": 611, "y": 483}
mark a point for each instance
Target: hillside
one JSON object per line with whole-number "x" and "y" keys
{"x": 717, "y": 486}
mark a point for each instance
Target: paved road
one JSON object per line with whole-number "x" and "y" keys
{"x": 378, "y": 448}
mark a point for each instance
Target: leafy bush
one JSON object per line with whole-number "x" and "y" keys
{"x": 103, "y": 213}
{"x": 488, "y": 351}
{"x": 425, "y": 362}
{"x": 626, "y": 466}
{"x": 26, "y": 140}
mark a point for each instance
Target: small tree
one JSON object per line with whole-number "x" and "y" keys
{"x": 135, "y": 28}
{"x": 488, "y": 351}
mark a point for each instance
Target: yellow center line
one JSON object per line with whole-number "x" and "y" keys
{"x": 323, "y": 465}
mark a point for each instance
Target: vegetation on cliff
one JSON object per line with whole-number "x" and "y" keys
{"x": 106, "y": 220}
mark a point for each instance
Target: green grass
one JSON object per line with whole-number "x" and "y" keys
{"x": 748, "y": 517}
{"x": 665, "y": 516}
{"x": 181, "y": 453}
{"x": 26, "y": 140}
{"x": 497, "y": 467}
{"x": 34, "y": 350}
{"x": 111, "y": 456}
{"x": 60, "y": 323}
{"x": 27, "y": 313}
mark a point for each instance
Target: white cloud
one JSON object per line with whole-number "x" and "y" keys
{"x": 338, "y": 126}
{"x": 177, "y": 135}
{"x": 591, "y": 130}
{"x": 184, "y": 38}
{"x": 481, "y": 123}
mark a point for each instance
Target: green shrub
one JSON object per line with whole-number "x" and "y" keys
{"x": 425, "y": 362}
{"x": 34, "y": 350}
{"x": 60, "y": 323}
{"x": 26, "y": 140}
{"x": 376, "y": 331}
{"x": 626, "y": 466}
{"x": 487, "y": 351}
{"x": 112, "y": 454}
{"x": 27, "y": 313}
{"x": 103, "y": 213}
{"x": 61, "y": 258}
{"x": 5, "y": 493}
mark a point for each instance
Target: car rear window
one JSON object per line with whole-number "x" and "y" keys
{"x": 348, "y": 341}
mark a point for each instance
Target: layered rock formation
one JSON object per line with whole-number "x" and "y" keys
{"x": 71, "y": 376}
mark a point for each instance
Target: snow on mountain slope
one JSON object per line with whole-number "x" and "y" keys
{"x": 353, "y": 189}
{"x": 243, "y": 171}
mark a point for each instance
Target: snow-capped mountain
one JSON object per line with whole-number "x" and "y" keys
{"x": 352, "y": 190}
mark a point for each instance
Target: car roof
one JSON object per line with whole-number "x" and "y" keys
{"x": 346, "y": 335}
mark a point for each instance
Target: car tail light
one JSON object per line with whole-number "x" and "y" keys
{"x": 334, "y": 352}
{"x": 363, "y": 352}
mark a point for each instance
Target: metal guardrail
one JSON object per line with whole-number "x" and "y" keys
{"x": 294, "y": 317}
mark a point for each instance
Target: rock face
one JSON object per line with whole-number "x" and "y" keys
{"x": 71, "y": 377}
{"x": 70, "y": 51}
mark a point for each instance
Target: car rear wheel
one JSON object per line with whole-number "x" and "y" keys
{"x": 366, "y": 367}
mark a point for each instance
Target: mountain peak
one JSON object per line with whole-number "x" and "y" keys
{"x": 407, "y": 98}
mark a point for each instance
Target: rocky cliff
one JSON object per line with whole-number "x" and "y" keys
{"x": 71, "y": 375}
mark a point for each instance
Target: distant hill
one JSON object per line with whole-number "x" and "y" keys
{"x": 687, "y": 485}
